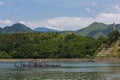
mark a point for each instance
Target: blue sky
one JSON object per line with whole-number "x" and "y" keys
{"x": 59, "y": 14}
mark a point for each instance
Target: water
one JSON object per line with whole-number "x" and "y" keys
{"x": 67, "y": 71}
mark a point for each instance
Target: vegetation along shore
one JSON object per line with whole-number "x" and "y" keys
{"x": 58, "y": 45}
{"x": 47, "y": 45}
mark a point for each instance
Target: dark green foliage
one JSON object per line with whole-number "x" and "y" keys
{"x": 113, "y": 36}
{"x": 47, "y": 45}
{"x": 102, "y": 39}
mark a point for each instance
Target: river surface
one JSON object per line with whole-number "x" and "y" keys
{"x": 67, "y": 71}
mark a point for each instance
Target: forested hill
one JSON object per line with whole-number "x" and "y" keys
{"x": 97, "y": 29}
{"x": 47, "y": 45}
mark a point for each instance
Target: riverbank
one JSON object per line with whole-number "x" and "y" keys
{"x": 72, "y": 60}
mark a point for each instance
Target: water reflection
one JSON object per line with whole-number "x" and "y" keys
{"x": 82, "y": 71}
{"x": 50, "y": 75}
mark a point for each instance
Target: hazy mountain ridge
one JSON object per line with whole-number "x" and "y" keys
{"x": 18, "y": 27}
{"x": 94, "y": 30}
{"x": 44, "y": 29}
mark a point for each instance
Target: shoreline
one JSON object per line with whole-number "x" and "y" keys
{"x": 72, "y": 60}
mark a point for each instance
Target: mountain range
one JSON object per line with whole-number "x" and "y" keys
{"x": 94, "y": 30}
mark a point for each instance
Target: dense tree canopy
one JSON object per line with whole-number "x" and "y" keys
{"x": 47, "y": 45}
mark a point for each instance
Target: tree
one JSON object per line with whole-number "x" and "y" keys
{"x": 113, "y": 36}
{"x": 102, "y": 39}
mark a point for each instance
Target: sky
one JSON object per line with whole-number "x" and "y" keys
{"x": 59, "y": 14}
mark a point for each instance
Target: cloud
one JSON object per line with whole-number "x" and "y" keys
{"x": 1, "y": 3}
{"x": 117, "y": 8}
{"x": 88, "y": 9}
{"x": 73, "y": 23}
{"x": 94, "y": 3}
{"x": 108, "y": 17}
{"x": 60, "y": 23}
{"x": 5, "y": 22}
{"x": 68, "y": 23}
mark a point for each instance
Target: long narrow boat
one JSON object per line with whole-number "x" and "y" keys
{"x": 35, "y": 64}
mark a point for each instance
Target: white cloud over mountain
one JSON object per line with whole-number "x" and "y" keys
{"x": 5, "y": 23}
{"x": 60, "y": 23}
{"x": 74, "y": 23}
{"x": 69, "y": 23}
{"x": 108, "y": 17}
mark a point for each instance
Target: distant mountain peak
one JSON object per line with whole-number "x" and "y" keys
{"x": 18, "y": 24}
{"x": 95, "y": 30}
{"x": 18, "y": 27}
{"x": 97, "y": 23}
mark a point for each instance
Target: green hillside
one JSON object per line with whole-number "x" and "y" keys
{"x": 97, "y": 29}
{"x": 94, "y": 30}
